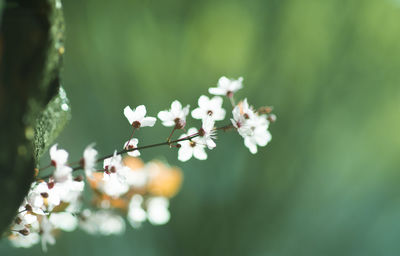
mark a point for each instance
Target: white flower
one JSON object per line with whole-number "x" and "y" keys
{"x": 58, "y": 157}
{"x": 137, "y": 117}
{"x": 176, "y": 116}
{"x": 157, "y": 210}
{"x": 46, "y": 233}
{"x": 130, "y": 144}
{"x": 62, "y": 174}
{"x": 251, "y": 126}
{"x": 259, "y": 134}
{"x": 209, "y": 107}
{"x": 50, "y": 193}
{"x": 207, "y": 133}
{"x": 191, "y": 148}
{"x": 137, "y": 178}
{"x": 102, "y": 222}
{"x": 24, "y": 217}
{"x": 242, "y": 114}
{"x": 69, "y": 191}
{"x": 136, "y": 214}
{"x": 226, "y": 86}
{"x": 113, "y": 166}
{"x": 64, "y": 220}
{"x": 89, "y": 160}
{"x": 114, "y": 186}
{"x": 23, "y": 241}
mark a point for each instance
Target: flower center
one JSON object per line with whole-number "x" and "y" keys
{"x": 50, "y": 185}
{"x": 136, "y": 124}
{"x": 192, "y": 144}
{"x": 246, "y": 116}
{"x": 202, "y": 132}
{"x": 229, "y": 94}
{"x": 179, "y": 123}
{"x": 44, "y": 195}
{"x": 209, "y": 112}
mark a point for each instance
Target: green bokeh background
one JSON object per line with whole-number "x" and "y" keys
{"x": 327, "y": 184}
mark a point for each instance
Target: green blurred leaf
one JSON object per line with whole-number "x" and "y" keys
{"x": 50, "y": 123}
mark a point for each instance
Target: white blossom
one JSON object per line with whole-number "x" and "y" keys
{"x": 114, "y": 186}
{"x": 251, "y": 126}
{"x": 136, "y": 214}
{"x": 157, "y": 210}
{"x": 137, "y": 117}
{"x": 102, "y": 222}
{"x": 226, "y": 86}
{"x": 176, "y": 116}
{"x": 59, "y": 159}
{"x": 70, "y": 191}
{"x": 50, "y": 193}
{"x": 130, "y": 144}
{"x": 209, "y": 107}
{"x": 207, "y": 133}
{"x": 46, "y": 233}
{"x": 113, "y": 166}
{"x": 191, "y": 148}
{"x": 89, "y": 160}
{"x": 58, "y": 156}
{"x": 259, "y": 134}
{"x": 64, "y": 220}
{"x": 25, "y": 241}
{"x": 137, "y": 178}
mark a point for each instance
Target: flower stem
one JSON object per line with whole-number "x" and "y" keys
{"x": 165, "y": 143}
{"x": 172, "y": 132}
{"x": 134, "y": 129}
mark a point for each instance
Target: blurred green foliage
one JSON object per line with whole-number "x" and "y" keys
{"x": 328, "y": 183}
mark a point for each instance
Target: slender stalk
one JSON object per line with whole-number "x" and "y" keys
{"x": 165, "y": 143}
{"x": 134, "y": 129}
{"x": 170, "y": 135}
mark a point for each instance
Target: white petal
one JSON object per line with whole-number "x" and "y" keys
{"x": 217, "y": 91}
{"x": 129, "y": 114}
{"x": 165, "y": 116}
{"x": 210, "y": 144}
{"x": 148, "y": 121}
{"x": 224, "y": 82}
{"x": 217, "y": 101}
{"x": 219, "y": 114}
{"x": 134, "y": 153}
{"x": 203, "y": 101}
{"x": 185, "y": 110}
{"x": 140, "y": 112}
{"x": 250, "y": 145}
{"x": 185, "y": 153}
{"x": 198, "y": 113}
{"x": 157, "y": 211}
{"x": 64, "y": 220}
{"x": 199, "y": 153}
{"x": 176, "y": 107}
{"x": 263, "y": 138}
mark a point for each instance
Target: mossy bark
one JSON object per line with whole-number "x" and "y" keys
{"x": 31, "y": 102}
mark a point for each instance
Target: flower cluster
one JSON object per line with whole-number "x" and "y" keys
{"x": 124, "y": 185}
